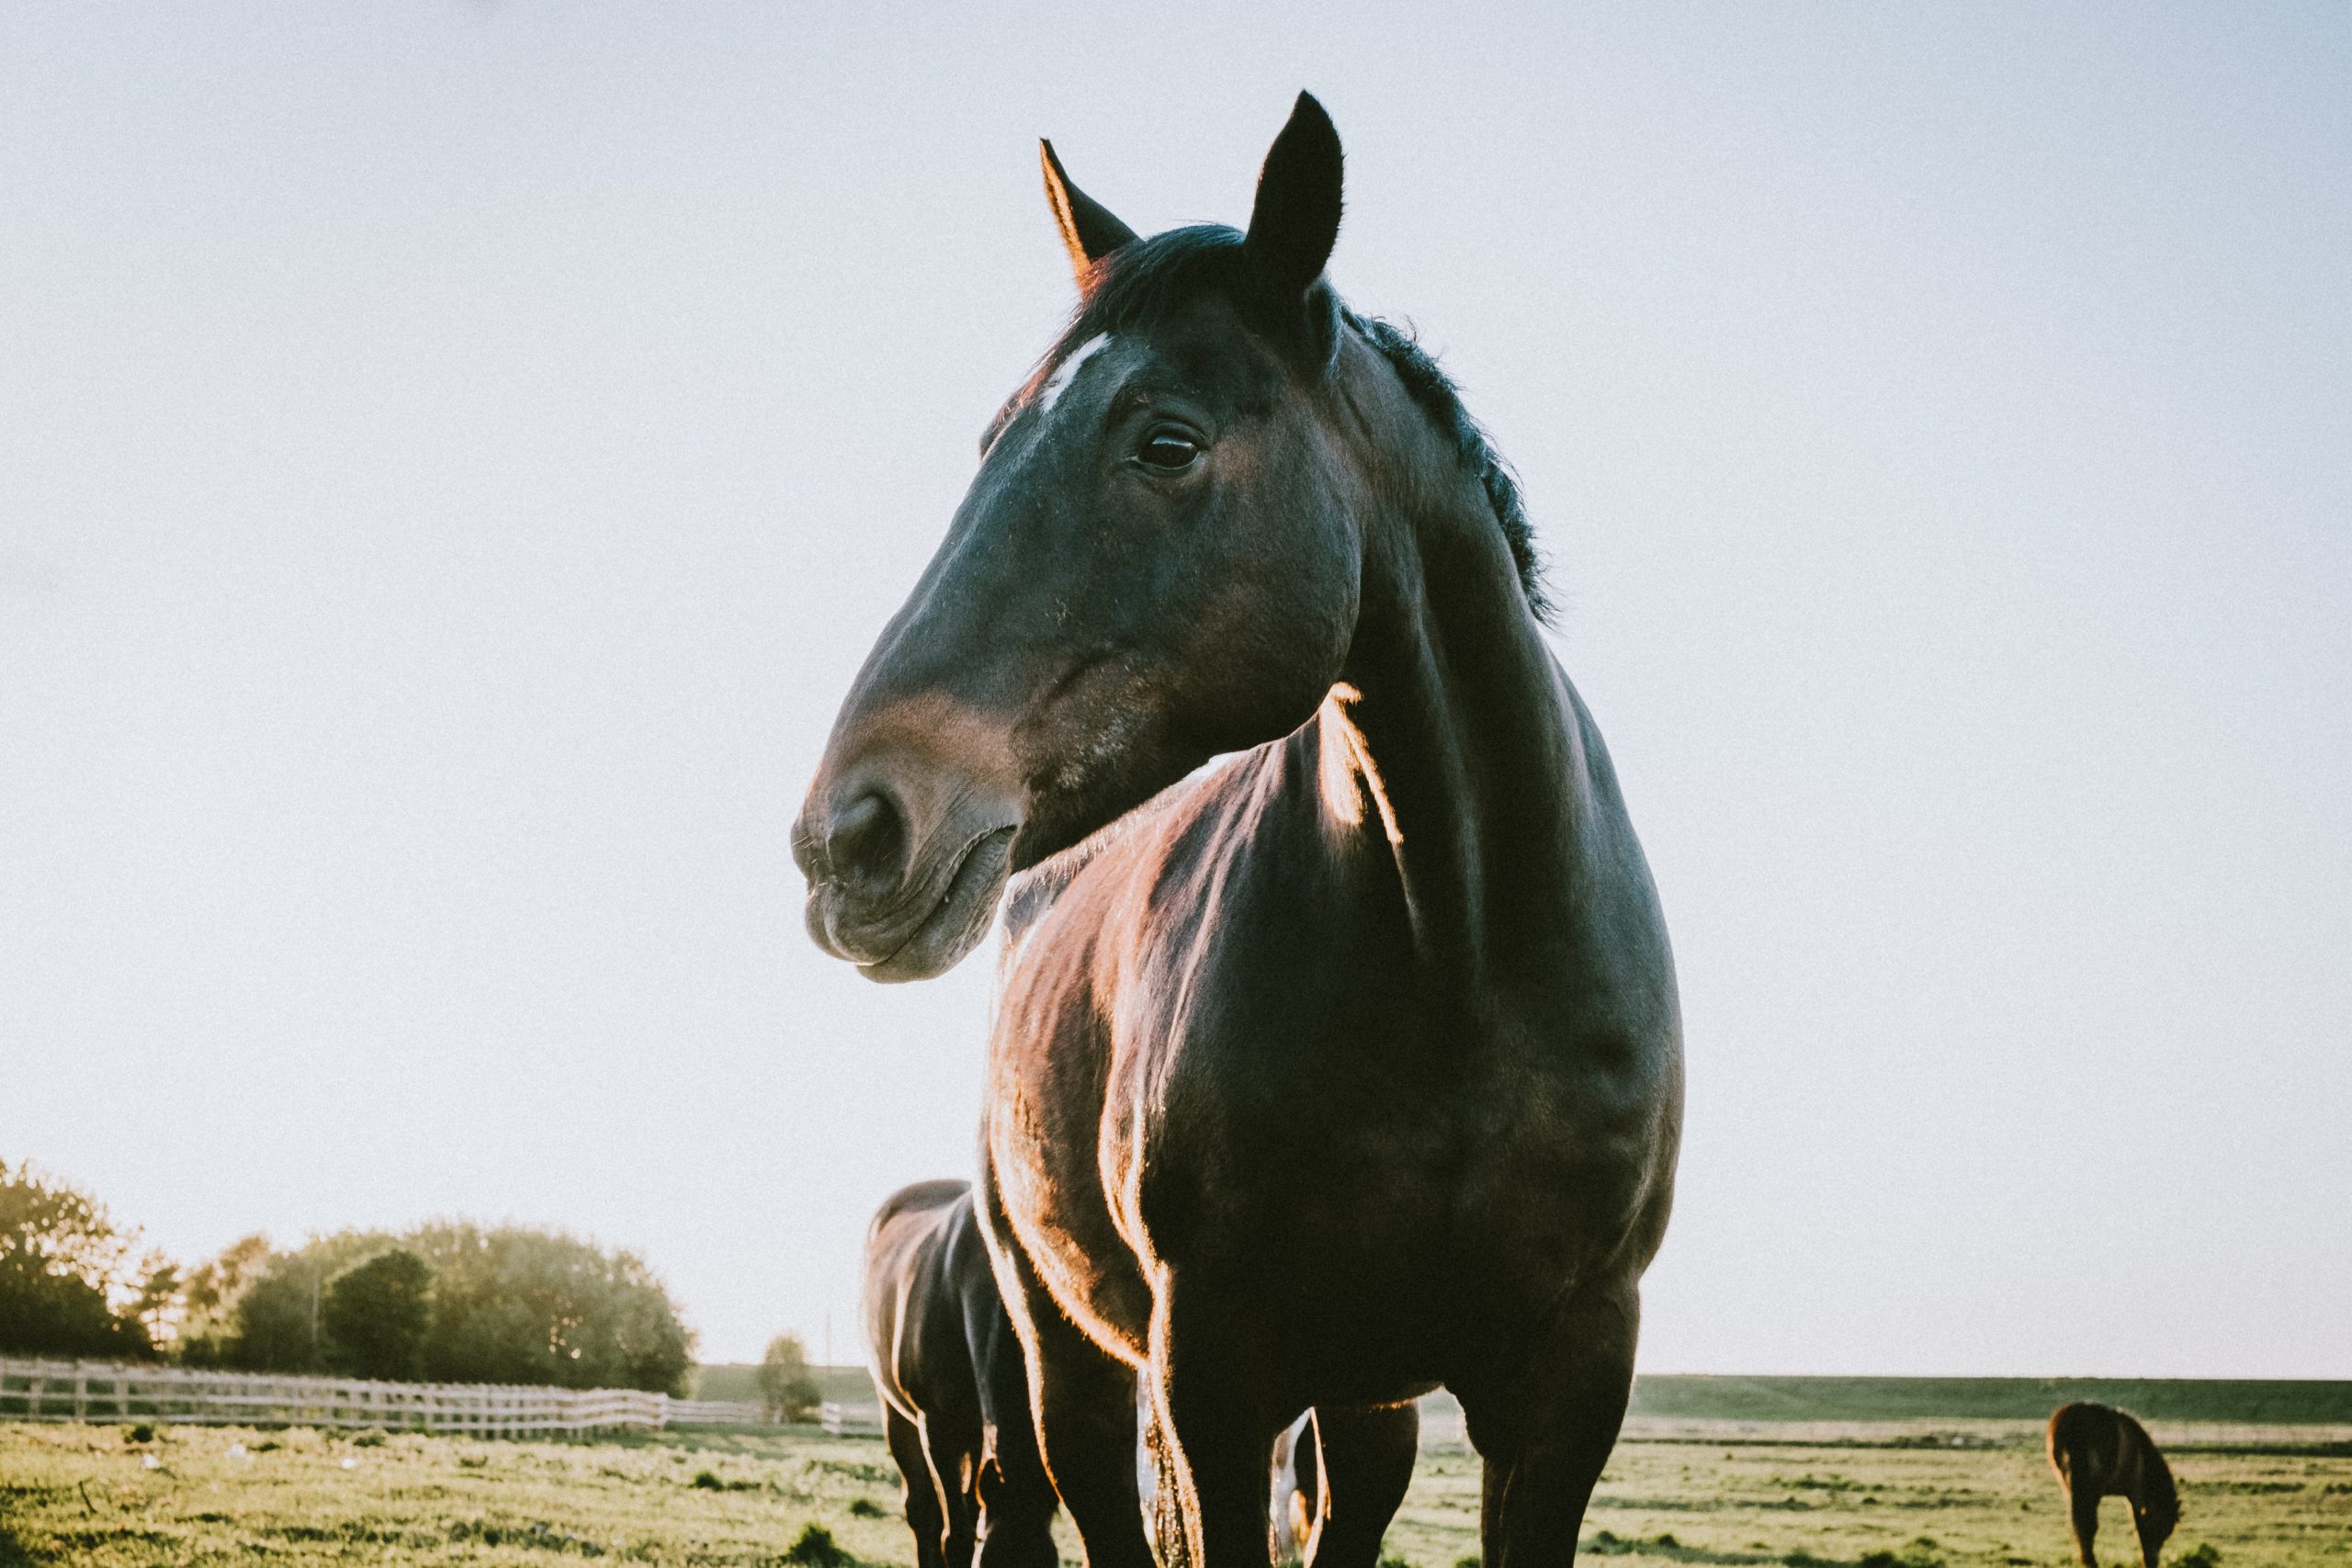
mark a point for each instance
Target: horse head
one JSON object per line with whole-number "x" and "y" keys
{"x": 1158, "y": 560}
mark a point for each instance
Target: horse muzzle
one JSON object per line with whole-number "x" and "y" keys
{"x": 902, "y": 902}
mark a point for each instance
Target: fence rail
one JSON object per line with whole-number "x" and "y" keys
{"x": 850, "y": 1420}
{"x": 115, "y": 1391}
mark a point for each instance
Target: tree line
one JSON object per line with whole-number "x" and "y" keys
{"x": 446, "y": 1302}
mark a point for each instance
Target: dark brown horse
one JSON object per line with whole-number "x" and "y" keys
{"x": 1345, "y": 1070}
{"x": 954, "y": 1395}
{"x": 947, "y": 1371}
{"x": 2103, "y": 1452}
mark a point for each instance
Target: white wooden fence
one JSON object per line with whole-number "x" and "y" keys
{"x": 116, "y": 1391}
{"x": 850, "y": 1420}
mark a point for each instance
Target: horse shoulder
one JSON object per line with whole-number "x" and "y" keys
{"x": 1063, "y": 1046}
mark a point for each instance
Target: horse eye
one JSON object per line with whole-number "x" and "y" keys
{"x": 1170, "y": 451}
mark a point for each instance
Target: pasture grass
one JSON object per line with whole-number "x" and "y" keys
{"x": 741, "y": 1379}
{"x": 1886, "y": 1507}
{"x": 85, "y": 1495}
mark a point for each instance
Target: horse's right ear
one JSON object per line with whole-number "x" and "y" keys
{"x": 1090, "y": 232}
{"x": 1295, "y": 220}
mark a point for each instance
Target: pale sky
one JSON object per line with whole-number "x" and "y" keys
{"x": 453, "y": 455}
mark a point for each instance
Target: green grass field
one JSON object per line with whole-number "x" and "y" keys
{"x": 86, "y": 1494}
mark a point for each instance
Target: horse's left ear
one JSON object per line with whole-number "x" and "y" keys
{"x": 1295, "y": 220}
{"x": 1090, "y": 231}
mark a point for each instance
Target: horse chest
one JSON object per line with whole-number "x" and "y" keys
{"x": 1373, "y": 1139}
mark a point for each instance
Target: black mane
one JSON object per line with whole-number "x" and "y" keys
{"x": 1145, "y": 280}
{"x": 1434, "y": 390}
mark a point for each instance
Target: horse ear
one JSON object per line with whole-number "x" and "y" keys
{"x": 1090, "y": 232}
{"x": 1297, "y": 217}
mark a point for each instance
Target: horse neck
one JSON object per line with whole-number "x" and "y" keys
{"x": 1470, "y": 741}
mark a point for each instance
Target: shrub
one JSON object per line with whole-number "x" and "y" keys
{"x": 868, "y": 1508}
{"x": 2202, "y": 1555}
{"x": 788, "y": 1389}
{"x": 707, "y": 1481}
{"x": 816, "y": 1547}
{"x": 1915, "y": 1555}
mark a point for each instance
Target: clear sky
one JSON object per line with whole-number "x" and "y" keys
{"x": 453, "y": 455}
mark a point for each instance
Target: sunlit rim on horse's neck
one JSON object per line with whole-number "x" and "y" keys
{"x": 1041, "y": 881}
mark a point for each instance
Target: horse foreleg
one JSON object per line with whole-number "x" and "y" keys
{"x": 1544, "y": 1428}
{"x": 1216, "y": 1441}
{"x": 2083, "y": 1504}
{"x": 1083, "y": 1405}
{"x": 955, "y": 1454}
{"x": 1365, "y": 1457}
{"x": 926, "y": 1514}
{"x": 1016, "y": 1501}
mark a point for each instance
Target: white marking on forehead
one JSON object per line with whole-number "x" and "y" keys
{"x": 1051, "y": 392}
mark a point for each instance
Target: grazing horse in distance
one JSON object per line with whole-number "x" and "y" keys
{"x": 2099, "y": 1452}
{"x": 954, "y": 1394}
{"x": 1343, "y": 1071}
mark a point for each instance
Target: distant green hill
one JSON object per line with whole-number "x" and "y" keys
{"x": 2270, "y": 1402}
{"x": 734, "y": 1380}
{"x": 1988, "y": 1399}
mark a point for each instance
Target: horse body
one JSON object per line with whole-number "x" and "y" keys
{"x": 948, "y": 1373}
{"x": 2099, "y": 1452}
{"x": 1413, "y": 1160}
{"x": 1228, "y": 1069}
{"x": 1351, "y": 1067}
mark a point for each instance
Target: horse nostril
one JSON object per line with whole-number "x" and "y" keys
{"x": 867, "y": 842}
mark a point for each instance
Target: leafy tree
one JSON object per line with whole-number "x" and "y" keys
{"x": 158, "y": 1298}
{"x": 788, "y": 1389}
{"x": 274, "y": 1323}
{"x": 45, "y": 1313}
{"x": 375, "y": 1314}
{"x": 63, "y": 1264}
{"x": 509, "y": 1305}
{"x": 516, "y": 1305}
{"x": 210, "y": 1296}
{"x": 459, "y": 1303}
